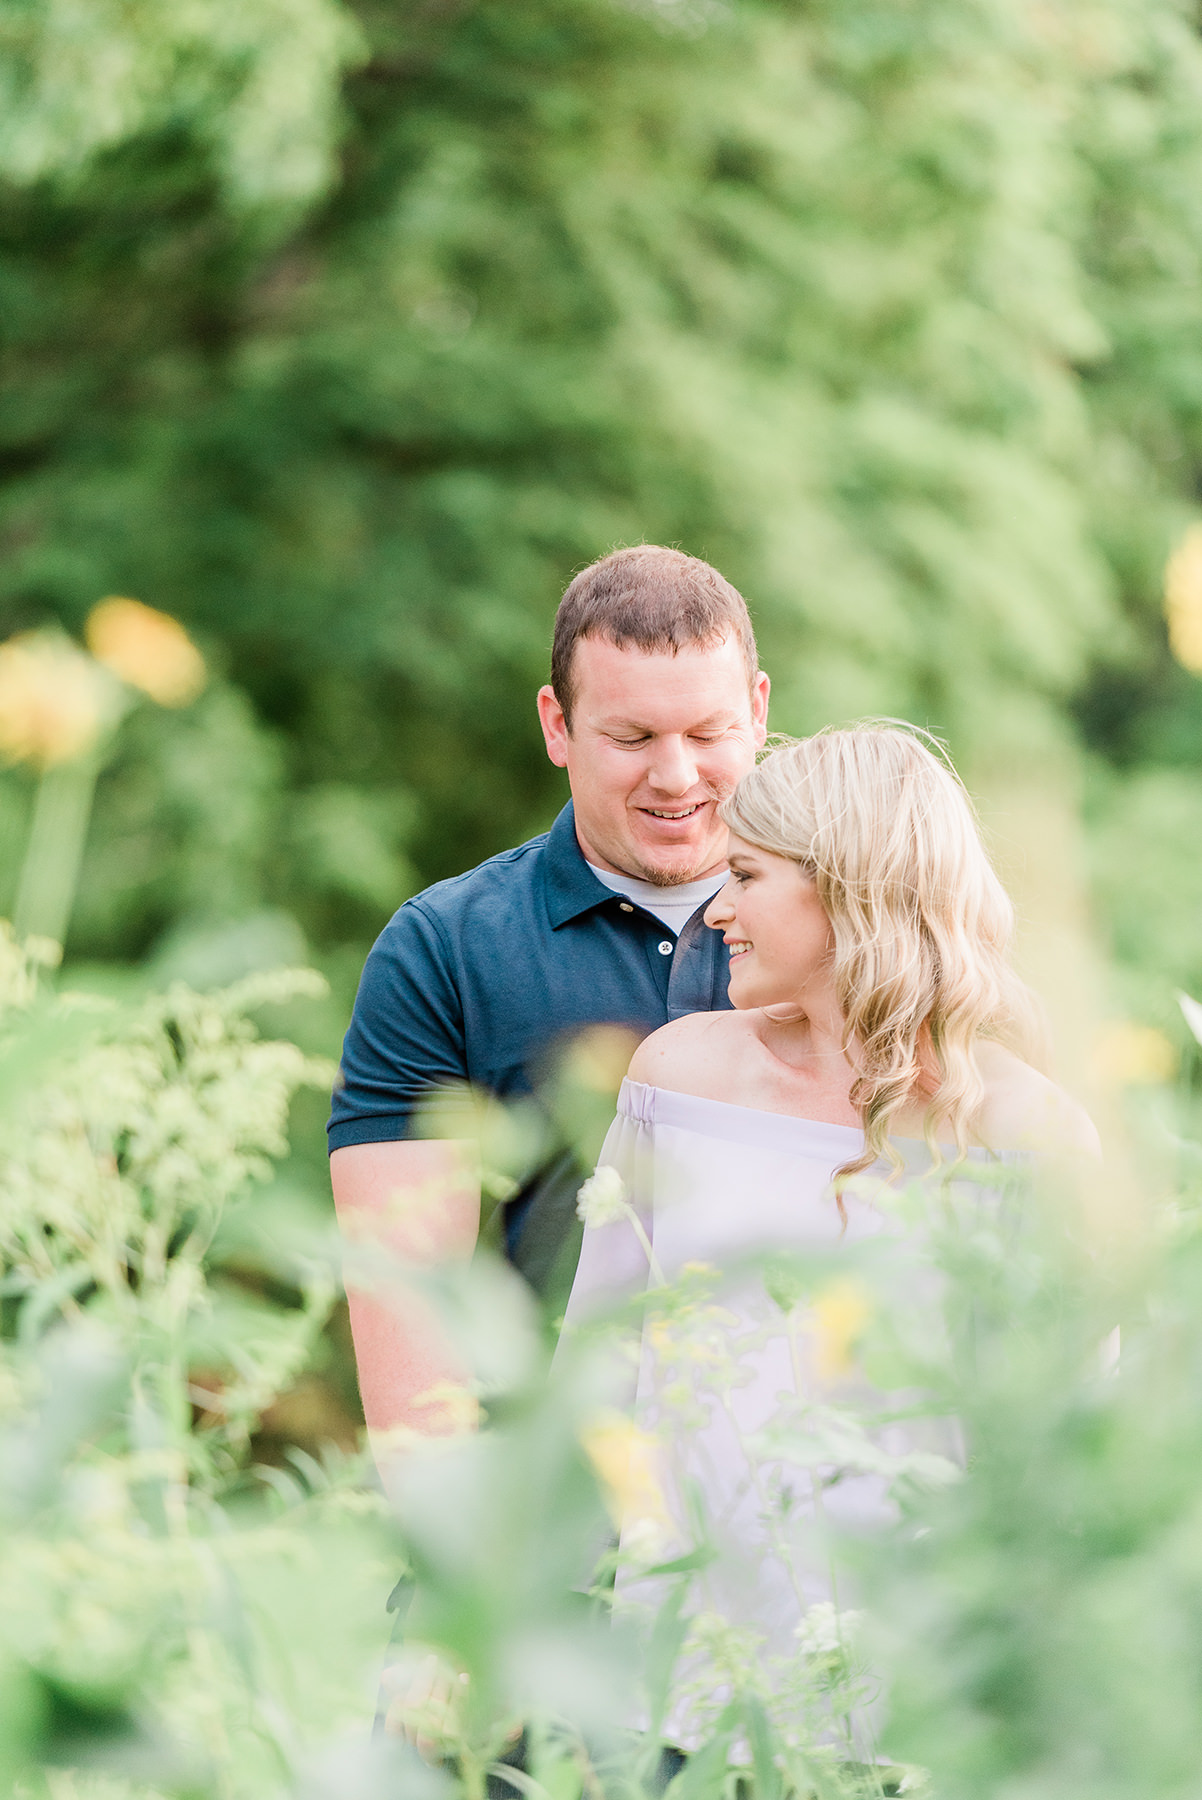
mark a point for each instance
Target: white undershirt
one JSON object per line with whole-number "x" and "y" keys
{"x": 675, "y": 906}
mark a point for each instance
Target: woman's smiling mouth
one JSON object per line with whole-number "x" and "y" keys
{"x": 737, "y": 946}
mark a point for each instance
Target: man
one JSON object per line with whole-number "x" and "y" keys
{"x": 655, "y": 708}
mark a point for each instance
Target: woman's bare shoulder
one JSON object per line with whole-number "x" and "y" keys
{"x": 1024, "y": 1110}
{"x": 688, "y": 1055}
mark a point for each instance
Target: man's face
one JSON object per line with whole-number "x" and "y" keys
{"x": 657, "y": 741}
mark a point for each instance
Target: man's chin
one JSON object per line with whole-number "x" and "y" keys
{"x": 670, "y": 858}
{"x": 680, "y": 869}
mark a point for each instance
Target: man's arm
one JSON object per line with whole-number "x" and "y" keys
{"x": 401, "y": 1200}
{"x": 416, "y": 1202}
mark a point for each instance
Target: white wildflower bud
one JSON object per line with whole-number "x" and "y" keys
{"x": 824, "y": 1629}
{"x": 602, "y": 1198}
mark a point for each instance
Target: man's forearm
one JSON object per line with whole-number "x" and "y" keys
{"x": 415, "y": 1205}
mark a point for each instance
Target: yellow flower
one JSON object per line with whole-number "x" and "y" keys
{"x": 148, "y": 649}
{"x": 1183, "y": 600}
{"x": 660, "y": 1334}
{"x": 841, "y": 1311}
{"x": 624, "y": 1459}
{"x": 1129, "y": 1055}
{"x": 54, "y": 700}
{"x": 599, "y": 1057}
{"x": 449, "y": 1409}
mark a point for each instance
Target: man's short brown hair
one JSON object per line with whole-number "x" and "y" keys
{"x": 656, "y": 599}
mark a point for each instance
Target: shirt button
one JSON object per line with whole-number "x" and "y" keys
{"x": 666, "y": 947}
{"x": 625, "y": 906}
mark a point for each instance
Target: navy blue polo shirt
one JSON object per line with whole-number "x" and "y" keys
{"x": 476, "y": 978}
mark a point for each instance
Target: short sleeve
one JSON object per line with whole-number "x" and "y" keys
{"x": 406, "y": 1032}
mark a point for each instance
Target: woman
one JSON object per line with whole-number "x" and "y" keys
{"x": 877, "y": 1033}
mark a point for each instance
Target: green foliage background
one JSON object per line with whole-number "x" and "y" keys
{"x": 348, "y": 332}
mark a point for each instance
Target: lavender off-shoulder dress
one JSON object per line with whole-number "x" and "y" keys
{"x": 716, "y": 1184}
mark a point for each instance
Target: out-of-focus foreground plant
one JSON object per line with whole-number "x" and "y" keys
{"x": 1047, "y": 1628}
{"x": 1033, "y": 1623}
{"x": 177, "y": 1621}
{"x": 170, "y": 1620}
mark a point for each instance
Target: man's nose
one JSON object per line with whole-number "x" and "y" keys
{"x": 673, "y": 767}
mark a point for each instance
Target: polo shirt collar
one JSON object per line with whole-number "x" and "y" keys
{"x": 570, "y": 885}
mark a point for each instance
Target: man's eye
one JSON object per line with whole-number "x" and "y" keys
{"x": 628, "y": 743}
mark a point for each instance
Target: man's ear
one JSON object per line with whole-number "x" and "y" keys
{"x": 759, "y": 708}
{"x": 555, "y": 726}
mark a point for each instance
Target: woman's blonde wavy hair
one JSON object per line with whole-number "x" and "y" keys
{"x": 878, "y": 818}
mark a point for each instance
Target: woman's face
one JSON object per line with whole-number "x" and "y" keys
{"x": 781, "y": 942}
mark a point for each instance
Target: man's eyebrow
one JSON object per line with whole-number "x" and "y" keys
{"x": 726, "y": 716}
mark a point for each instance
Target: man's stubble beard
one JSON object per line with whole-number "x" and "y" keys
{"x": 670, "y": 878}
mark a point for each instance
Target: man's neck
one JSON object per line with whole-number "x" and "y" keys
{"x": 674, "y": 906}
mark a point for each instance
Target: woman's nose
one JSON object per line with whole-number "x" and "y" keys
{"x": 720, "y": 910}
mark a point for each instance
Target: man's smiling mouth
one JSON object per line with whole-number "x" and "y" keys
{"x": 686, "y": 812}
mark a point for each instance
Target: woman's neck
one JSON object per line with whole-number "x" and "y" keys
{"x": 811, "y": 1028}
